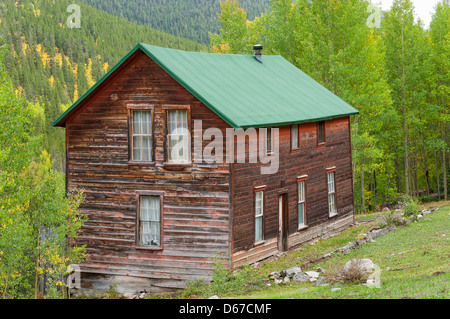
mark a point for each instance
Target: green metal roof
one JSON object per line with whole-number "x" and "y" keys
{"x": 242, "y": 91}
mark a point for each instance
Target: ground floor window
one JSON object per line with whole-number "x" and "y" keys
{"x": 331, "y": 193}
{"x": 259, "y": 213}
{"x": 301, "y": 202}
{"x": 149, "y": 220}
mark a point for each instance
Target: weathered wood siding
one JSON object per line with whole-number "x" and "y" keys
{"x": 311, "y": 160}
{"x": 196, "y": 221}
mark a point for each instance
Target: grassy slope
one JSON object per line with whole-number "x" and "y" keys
{"x": 420, "y": 243}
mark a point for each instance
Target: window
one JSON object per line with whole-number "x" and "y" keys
{"x": 294, "y": 136}
{"x": 321, "y": 132}
{"x": 331, "y": 194}
{"x": 301, "y": 203}
{"x": 178, "y": 136}
{"x": 141, "y": 135}
{"x": 269, "y": 140}
{"x": 259, "y": 212}
{"x": 150, "y": 221}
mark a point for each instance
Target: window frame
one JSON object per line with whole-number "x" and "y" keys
{"x": 331, "y": 172}
{"x": 295, "y": 148}
{"x": 256, "y": 190}
{"x": 320, "y": 143}
{"x": 301, "y": 179}
{"x": 170, "y": 108}
{"x": 269, "y": 132}
{"x": 139, "y": 195}
{"x": 131, "y": 108}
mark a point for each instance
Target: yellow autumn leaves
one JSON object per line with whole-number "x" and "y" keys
{"x": 57, "y": 58}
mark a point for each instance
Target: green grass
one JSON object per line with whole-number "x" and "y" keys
{"x": 414, "y": 262}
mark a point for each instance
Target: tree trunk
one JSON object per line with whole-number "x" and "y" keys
{"x": 397, "y": 177}
{"x": 405, "y": 144}
{"x": 363, "y": 205}
{"x": 375, "y": 188}
{"x": 438, "y": 186}
{"x": 416, "y": 166}
{"x": 425, "y": 165}
{"x": 443, "y": 163}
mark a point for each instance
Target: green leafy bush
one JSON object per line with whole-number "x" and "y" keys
{"x": 36, "y": 216}
{"x": 412, "y": 205}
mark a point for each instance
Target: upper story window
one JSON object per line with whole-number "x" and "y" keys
{"x": 294, "y": 136}
{"x": 141, "y": 135}
{"x": 269, "y": 140}
{"x": 178, "y": 137}
{"x": 321, "y": 132}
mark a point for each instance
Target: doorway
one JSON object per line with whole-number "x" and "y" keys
{"x": 283, "y": 222}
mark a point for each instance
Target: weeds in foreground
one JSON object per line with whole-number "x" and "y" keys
{"x": 412, "y": 208}
{"x": 353, "y": 273}
{"x": 225, "y": 281}
{"x": 392, "y": 219}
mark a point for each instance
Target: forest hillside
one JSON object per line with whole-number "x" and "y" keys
{"x": 190, "y": 19}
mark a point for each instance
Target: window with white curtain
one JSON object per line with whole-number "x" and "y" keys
{"x": 259, "y": 212}
{"x": 178, "y": 136}
{"x": 142, "y": 135}
{"x": 331, "y": 194}
{"x": 150, "y": 221}
{"x": 301, "y": 203}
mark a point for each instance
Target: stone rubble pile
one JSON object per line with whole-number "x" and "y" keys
{"x": 296, "y": 274}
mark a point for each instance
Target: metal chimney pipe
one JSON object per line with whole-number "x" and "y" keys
{"x": 258, "y": 55}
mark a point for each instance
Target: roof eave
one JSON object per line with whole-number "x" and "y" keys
{"x": 299, "y": 122}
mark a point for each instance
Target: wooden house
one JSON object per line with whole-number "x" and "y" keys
{"x": 159, "y": 213}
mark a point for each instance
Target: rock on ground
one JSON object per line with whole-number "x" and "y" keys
{"x": 290, "y": 272}
{"x": 320, "y": 281}
{"x": 301, "y": 277}
{"x": 313, "y": 274}
{"x": 364, "y": 264}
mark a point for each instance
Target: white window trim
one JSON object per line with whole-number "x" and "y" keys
{"x": 332, "y": 211}
{"x": 142, "y": 135}
{"x": 261, "y": 215}
{"x": 178, "y": 134}
{"x": 141, "y": 220}
{"x": 301, "y": 201}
